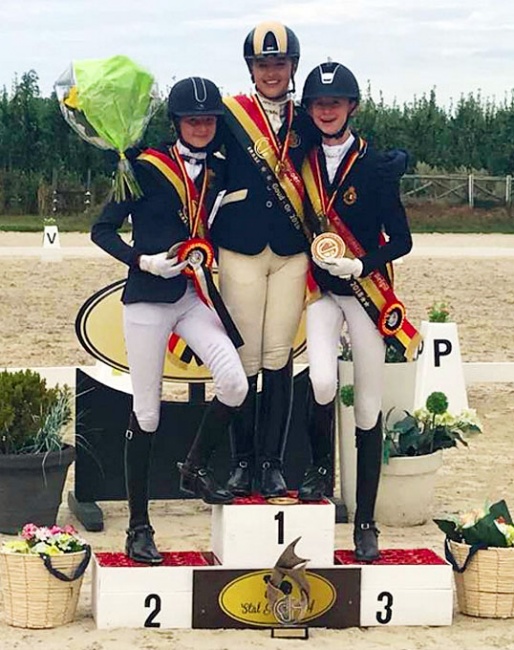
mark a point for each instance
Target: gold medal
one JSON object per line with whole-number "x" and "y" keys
{"x": 282, "y": 501}
{"x": 280, "y": 168}
{"x": 328, "y": 244}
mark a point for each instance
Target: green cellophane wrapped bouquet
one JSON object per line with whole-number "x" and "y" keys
{"x": 109, "y": 103}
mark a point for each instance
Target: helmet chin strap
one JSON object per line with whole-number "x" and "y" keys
{"x": 339, "y": 132}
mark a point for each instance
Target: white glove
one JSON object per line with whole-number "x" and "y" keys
{"x": 159, "y": 264}
{"x": 341, "y": 267}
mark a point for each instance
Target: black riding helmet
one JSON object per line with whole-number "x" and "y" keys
{"x": 271, "y": 39}
{"x": 330, "y": 79}
{"x": 194, "y": 96}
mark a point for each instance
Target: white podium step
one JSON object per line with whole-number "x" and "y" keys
{"x": 405, "y": 587}
{"x": 189, "y": 590}
{"x": 253, "y": 533}
{"x": 129, "y": 594}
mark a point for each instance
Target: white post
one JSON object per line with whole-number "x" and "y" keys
{"x": 471, "y": 191}
{"x": 508, "y": 189}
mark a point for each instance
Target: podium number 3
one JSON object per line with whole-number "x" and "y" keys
{"x": 156, "y": 600}
{"x": 279, "y": 517}
{"x": 385, "y": 616}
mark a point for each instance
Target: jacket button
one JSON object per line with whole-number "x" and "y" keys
{"x": 269, "y": 204}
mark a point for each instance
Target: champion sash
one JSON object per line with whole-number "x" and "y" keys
{"x": 247, "y": 121}
{"x": 195, "y": 218}
{"x": 171, "y": 171}
{"x": 374, "y": 291}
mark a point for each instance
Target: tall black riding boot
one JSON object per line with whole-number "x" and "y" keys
{"x": 275, "y": 414}
{"x": 197, "y": 478}
{"x": 242, "y": 439}
{"x": 318, "y": 477}
{"x": 369, "y": 462}
{"x": 140, "y": 545}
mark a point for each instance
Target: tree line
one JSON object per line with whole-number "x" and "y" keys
{"x": 39, "y": 151}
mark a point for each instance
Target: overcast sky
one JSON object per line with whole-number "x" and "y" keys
{"x": 401, "y": 48}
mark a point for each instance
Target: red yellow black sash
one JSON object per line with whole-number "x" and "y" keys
{"x": 248, "y": 122}
{"x": 194, "y": 213}
{"x": 374, "y": 291}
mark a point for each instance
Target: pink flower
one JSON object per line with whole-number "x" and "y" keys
{"x": 69, "y": 529}
{"x": 55, "y": 530}
{"x": 28, "y": 531}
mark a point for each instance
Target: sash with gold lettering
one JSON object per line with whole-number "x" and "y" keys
{"x": 248, "y": 122}
{"x": 374, "y": 291}
{"x": 194, "y": 215}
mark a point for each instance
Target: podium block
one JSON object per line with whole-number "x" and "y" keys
{"x": 128, "y": 594}
{"x": 252, "y": 533}
{"x": 405, "y": 587}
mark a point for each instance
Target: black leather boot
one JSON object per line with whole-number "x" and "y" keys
{"x": 365, "y": 538}
{"x": 316, "y": 481}
{"x": 200, "y": 482}
{"x": 242, "y": 438}
{"x": 276, "y": 403}
{"x": 318, "y": 478}
{"x": 369, "y": 463}
{"x": 140, "y": 546}
{"x": 196, "y": 478}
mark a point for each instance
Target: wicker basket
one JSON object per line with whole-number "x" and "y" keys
{"x": 41, "y": 592}
{"x": 486, "y": 586}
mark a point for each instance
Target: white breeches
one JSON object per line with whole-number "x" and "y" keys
{"x": 264, "y": 294}
{"x": 147, "y": 328}
{"x": 325, "y": 319}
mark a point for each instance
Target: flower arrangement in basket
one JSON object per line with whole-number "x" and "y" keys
{"x": 41, "y": 575}
{"x": 480, "y": 547}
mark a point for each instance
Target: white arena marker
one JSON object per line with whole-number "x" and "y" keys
{"x": 439, "y": 366}
{"x": 51, "y": 237}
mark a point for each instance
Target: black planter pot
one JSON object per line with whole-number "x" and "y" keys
{"x": 31, "y": 488}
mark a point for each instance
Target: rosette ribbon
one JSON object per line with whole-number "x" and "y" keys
{"x": 199, "y": 254}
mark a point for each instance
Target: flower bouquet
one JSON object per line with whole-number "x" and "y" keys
{"x": 109, "y": 103}
{"x": 41, "y": 575}
{"x": 479, "y": 545}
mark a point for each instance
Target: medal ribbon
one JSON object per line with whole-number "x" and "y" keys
{"x": 194, "y": 211}
{"x": 281, "y": 150}
{"x": 328, "y": 202}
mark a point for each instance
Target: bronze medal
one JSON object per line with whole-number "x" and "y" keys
{"x": 328, "y": 244}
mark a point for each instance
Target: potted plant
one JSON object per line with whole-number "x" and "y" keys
{"x": 34, "y": 459}
{"x": 41, "y": 575}
{"x": 412, "y": 452}
{"x": 479, "y": 545}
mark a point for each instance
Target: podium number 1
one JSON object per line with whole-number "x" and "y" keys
{"x": 280, "y": 518}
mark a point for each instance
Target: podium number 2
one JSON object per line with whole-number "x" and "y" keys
{"x": 385, "y": 616}
{"x": 156, "y": 609}
{"x": 280, "y": 518}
